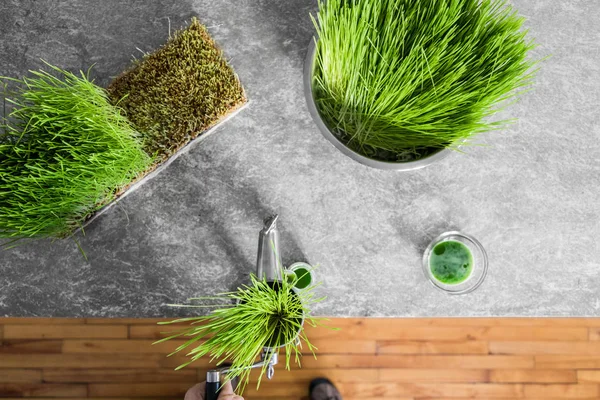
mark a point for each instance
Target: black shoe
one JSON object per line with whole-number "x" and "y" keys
{"x": 323, "y": 389}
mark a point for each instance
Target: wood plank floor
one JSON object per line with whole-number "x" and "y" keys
{"x": 418, "y": 359}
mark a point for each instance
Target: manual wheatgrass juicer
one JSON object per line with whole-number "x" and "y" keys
{"x": 268, "y": 264}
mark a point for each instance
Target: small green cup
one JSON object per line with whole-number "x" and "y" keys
{"x": 303, "y": 271}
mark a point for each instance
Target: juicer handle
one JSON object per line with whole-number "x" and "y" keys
{"x": 212, "y": 391}
{"x": 213, "y": 385}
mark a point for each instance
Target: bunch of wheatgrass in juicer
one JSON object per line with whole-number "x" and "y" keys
{"x": 243, "y": 322}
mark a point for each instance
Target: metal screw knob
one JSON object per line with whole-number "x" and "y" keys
{"x": 270, "y": 371}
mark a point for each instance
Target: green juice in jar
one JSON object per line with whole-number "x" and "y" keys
{"x": 301, "y": 275}
{"x": 304, "y": 278}
{"x": 451, "y": 262}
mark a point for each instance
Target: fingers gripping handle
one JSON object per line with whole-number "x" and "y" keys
{"x": 213, "y": 377}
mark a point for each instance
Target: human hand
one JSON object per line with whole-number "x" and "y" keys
{"x": 197, "y": 392}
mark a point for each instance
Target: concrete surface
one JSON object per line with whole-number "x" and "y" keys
{"x": 531, "y": 196}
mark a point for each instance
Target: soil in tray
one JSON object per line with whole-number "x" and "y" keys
{"x": 174, "y": 94}
{"x": 177, "y": 92}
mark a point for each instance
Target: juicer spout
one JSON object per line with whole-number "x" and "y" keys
{"x": 268, "y": 262}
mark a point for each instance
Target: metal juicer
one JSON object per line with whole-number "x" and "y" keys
{"x": 268, "y": 265}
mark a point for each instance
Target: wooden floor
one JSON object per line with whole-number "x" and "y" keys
{"x": 368, "y": 359}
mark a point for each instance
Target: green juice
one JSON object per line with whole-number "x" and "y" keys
{"x": 304, "y": 278}
{"x": 451, "y": 262}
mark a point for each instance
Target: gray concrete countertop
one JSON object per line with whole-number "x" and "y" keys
{"x": 531, "y": 196}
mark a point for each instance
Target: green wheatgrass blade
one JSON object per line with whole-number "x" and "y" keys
{"x": 65, "y": 151}
{"x": 178, "y": 91}
{"x": 397, "y": 77}
{"x": 257, "y": 315}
